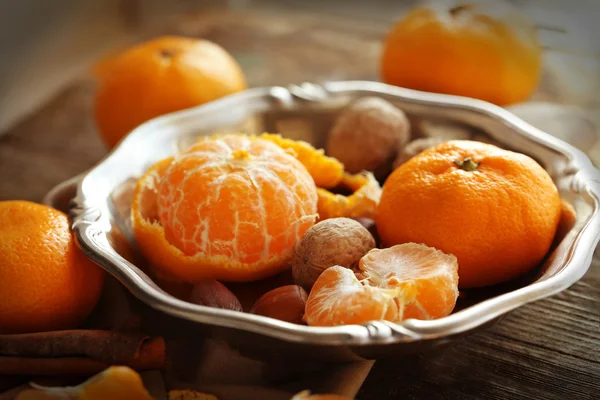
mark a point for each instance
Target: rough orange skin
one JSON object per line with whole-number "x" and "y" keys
{"x": 499, "y": 220}
{"x": 491, "y": 55}
{"x": 46, "y": 283}
{"x": 160, "y": 76}
{"x": 230, "y": 208}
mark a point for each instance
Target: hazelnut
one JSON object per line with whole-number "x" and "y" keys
{"x": 213, "y": 293}
{"x": 367, "y": 134}
{"x": 335, "y": 241}
{"x": 249, "y": 292}
{"x": 415, "y": 147}
{"x": 175, "y": 288}
{"x": 286, "y": 303}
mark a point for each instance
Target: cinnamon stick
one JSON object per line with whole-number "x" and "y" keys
{"x": 107, "y": 346}
{"x": 78, "y": 352}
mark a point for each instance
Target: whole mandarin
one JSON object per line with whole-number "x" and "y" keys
{"x": 161, "y": 76}
{"x": 46, "y": 283}
{"x": 487, "y": 51}
{"x": 497, "y": 211}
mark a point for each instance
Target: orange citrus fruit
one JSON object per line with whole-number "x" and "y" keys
{"x": 497, "y": 211}
{"x": 404, "y": 281}
{"x": 46, "y": 283}
{"x": 115, "y": 383}
{"x": 489, "y": 52}
{"x": 160, "y": 76}
{"x": 229, "y": 208}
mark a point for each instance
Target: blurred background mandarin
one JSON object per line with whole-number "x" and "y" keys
{"x": 486, "y": 50}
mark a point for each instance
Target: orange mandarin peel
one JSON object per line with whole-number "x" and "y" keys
{"x": 362, "y": 203}
{"x": 229, "y": 208}
{"x": 326, "y": 171}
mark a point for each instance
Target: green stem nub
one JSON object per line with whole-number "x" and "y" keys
{"x": 467, "y": 164}
{"x": 166, "y": 53}
{"x": 454, "y": 11}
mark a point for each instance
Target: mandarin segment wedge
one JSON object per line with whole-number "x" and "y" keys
{"x": 339, "y": 298}
{"x": 230, "y": 208}
{"x": 405, "y": 281}
{"x": 427, "y": 278}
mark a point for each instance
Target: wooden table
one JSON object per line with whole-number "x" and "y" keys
{"x": 548, "y": 350}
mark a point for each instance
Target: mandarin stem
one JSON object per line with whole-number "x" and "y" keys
{"x": 467, "y": 164}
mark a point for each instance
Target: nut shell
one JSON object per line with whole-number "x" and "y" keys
{"x": 285, "y": 303}
{"x": 367, "y": 134}
{"x": 212, "y": 293}
{"x": 335, "y": 241}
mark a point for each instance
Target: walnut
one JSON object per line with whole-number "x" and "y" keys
{"x": 367, "y": 134}
{"x": 335, "y": 241}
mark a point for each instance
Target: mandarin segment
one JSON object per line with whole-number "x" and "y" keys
{"x": 339, "y": 298}
{"x": 362, "y": 203}
{"x": 115, "y": 383}
{"x": 401, "y": 282}
{"x": 427, "y": 278}
{"x": 230, "y": 208}
{"x": 326, "y": 171}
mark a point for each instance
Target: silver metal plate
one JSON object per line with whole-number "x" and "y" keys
{"x": 100, "y": 213}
